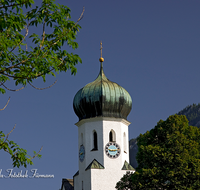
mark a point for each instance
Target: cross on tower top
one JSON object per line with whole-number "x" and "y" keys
{"x": 101, "y": 58}
{"x": 101, "y": 48}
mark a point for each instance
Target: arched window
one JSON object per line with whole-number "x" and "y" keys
{"x": 112, "y": 136}
{"x": 95, "y": 142}
{"x": 125, "y": 143}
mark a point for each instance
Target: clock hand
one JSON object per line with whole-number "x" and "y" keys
{"x": 81, "y": 153}
{"x": 113, "y": 149}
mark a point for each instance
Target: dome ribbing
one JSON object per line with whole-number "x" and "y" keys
{"x": 102, "y": 98}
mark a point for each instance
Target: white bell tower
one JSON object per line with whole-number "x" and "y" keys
{"x": 102, "y": 107}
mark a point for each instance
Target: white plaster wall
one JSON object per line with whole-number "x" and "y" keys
{"x": 119, "y": 129}
{"x": 105, "y": 179}
{"x": 76, "y": 182}
{"x": 86, "y": 178}
{"x": 96, "y": 178}
{"x": 87, "y": 130}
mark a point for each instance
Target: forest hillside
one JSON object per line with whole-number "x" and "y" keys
{"x": 192, "y": 113}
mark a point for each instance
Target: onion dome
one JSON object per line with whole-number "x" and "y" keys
{"x": 102, "y": 98}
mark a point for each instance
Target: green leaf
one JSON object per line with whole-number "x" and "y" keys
{"x": 25, "y": 61}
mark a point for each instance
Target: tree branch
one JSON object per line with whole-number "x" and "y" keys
{"x": 12, "y": 5}
{"x": 81, "y": 16}
{"x": 51, "y": 69}
{"x": 37, "y": 153}
{"x": 43, "y": 34}
{"x": 5, "y": 105}
{"x": 9, "y": 134}
{"x": 11, "y": 67}
{"x": 12, "y": 89}
{"x": 26, "y": 34}
{"x": 43, "y": 88}
{"x": 30, "y": 56}
{"x": 11, "y": 131}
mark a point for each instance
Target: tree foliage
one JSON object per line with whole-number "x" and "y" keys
{"x": 168, "y": 157}
{"x": 23, "y": 62}
{"x": 27, "y": 53}
{"x": 18, "y": 155}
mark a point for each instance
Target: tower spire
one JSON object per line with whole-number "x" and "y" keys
{"x": 101, "y": 59}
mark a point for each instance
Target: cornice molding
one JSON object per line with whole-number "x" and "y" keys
{"x": 124, "y": 121}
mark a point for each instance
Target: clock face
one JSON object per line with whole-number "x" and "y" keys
{"x": 82, "y": 153}
{"x": 112, "y": 150}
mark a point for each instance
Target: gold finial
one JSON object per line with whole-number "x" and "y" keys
{"x": 101, "y": 58}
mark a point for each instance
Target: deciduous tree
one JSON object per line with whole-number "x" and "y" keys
{"x": 168, "y": 157}
{"x": 26, "y": 55}
{"x": 25, "y": 62}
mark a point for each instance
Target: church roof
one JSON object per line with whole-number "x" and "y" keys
{"x": 67, "y": 184}
{"x": 77, "y": 173}
{"x": 94, "y": 165}
{"x": 127, "y": 166}
{"x": 102, "y": 97}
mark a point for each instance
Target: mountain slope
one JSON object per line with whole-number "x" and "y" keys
{"x": 192, "y": 113}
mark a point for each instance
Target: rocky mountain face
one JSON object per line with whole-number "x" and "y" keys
{"x": 192, "y": 113}
{"x": 133, "y": 149}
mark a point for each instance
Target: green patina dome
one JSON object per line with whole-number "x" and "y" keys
{"x": 102, "y": 98}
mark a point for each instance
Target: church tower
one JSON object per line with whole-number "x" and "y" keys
{"x": 102, "y": 107}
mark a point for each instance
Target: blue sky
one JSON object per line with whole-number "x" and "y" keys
{"x": 150, "y": 47}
